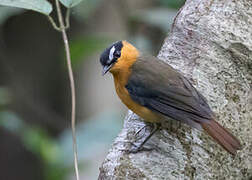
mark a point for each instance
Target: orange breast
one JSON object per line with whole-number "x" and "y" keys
{"x": 121, "y": 72}
{"x": 123, "y": 94}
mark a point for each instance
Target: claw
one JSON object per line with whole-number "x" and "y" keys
{"x": 136, "y": 148}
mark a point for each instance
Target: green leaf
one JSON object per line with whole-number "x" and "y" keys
{"x": 70, "y": 3}
{"x": 6, "y": 12}
{"x": 41, "y": 6}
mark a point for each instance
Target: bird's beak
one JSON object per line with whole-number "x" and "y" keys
{"x": 106, "y": 68}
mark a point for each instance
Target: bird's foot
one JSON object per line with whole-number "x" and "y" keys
{"x": 174, "y": 126}
{"x": 136, "y": 148}
{"x": 137, "y": 133}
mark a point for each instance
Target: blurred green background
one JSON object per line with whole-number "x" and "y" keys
{"x": 35, "y": 134}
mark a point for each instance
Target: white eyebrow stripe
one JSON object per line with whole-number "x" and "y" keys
{"x": 111, "y": 53}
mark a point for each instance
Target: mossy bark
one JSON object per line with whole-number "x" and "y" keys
{"x": 211, "y": 44}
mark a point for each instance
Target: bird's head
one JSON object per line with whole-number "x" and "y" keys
{"x": 119, "y": 55}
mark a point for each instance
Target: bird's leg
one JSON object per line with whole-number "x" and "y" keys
{"x": 139, "y": 130}
{"x": 179, "y": 124}
{"x": 138, "y": 148}
{"x": 171, "y": 125}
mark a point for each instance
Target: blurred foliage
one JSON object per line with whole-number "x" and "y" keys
{"x": 4, "y": 96}
{"x": 56, "y": 154}
{"x": 156, "y": 17}
{"x": 94, "y": 138}
{"x": 34, "y": 138}
{"x": 176, "y": 4}
{"x": 99, "y": 130}
{"x": 85, "y": 9}
{"x": 84, "y": 46}
{"x": 37, "y": 140}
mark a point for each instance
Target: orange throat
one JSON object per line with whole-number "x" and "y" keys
{"x": 121, "y": 72}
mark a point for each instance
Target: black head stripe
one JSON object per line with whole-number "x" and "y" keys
{"x": 111, "y": 54}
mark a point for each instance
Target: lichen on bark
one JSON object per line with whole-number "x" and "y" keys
{"x": 210, "y": 43}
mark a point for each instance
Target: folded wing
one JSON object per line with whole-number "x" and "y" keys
{"x": 159, "y": 87}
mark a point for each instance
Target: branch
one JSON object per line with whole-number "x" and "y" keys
{"x": 72, "y": 85}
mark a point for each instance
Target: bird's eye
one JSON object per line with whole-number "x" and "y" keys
{"x": 117, "y": 54}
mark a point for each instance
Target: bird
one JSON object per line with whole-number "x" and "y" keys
{"x": 157, "y": 92}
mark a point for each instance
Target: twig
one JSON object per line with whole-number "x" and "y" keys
{"x": 71, "y": 78}
{"x": 67, "y": 18}
{"x": 53, "y": 23}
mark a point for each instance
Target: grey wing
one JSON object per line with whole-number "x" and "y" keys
{"x": 172, "y": 96}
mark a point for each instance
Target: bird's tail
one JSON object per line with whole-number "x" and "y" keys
{"x": 222, "y": 136}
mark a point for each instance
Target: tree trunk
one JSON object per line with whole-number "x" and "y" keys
{"x": 211, "y": 44}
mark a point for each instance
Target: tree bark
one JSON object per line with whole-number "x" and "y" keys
{"x": 211, "y": 44}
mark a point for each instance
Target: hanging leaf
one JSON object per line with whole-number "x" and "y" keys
{"x": 6, "y": 12}
{"x": 70, "y": 3}
{"x": 41, "y": 6}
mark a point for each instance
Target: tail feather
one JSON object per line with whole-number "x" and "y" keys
{"x": 222, "y": 136}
